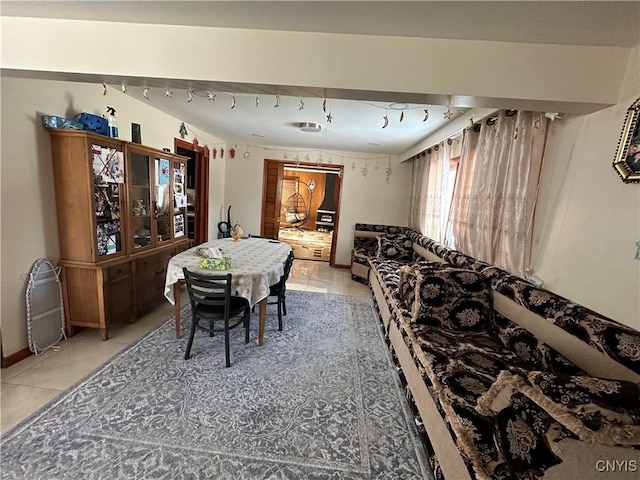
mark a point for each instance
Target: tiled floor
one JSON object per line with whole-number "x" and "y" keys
{"x": 29, "y": 384}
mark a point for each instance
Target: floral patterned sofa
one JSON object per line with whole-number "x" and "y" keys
{"x": 507, "y": 380}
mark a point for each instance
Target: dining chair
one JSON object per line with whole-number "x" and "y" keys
{"x": 211, "y": 303}
{"x": 279, "y": 290}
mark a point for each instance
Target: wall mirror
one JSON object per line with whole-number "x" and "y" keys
{"x": 627, "y": 159}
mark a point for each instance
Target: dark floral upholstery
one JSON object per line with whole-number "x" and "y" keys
{"x": 452, "y": 298}
{"x": 395, "y": 247}
{"x": 597, "y": 402}
{"x": 620, "y": 342}
{"x": 462, "y": 361}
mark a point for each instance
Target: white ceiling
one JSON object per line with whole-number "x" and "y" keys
{"x": 356, "y": 124}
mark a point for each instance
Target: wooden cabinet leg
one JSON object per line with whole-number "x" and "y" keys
{"x": 104, "y": 333}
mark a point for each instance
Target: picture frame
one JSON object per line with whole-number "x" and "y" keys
{"x": 627, "y": 160}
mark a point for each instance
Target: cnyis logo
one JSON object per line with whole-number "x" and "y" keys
{"x": 616, "y": 466}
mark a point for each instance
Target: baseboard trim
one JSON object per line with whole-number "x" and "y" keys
{"x": 16, "y": 357}
{"x": 340, "y": 265}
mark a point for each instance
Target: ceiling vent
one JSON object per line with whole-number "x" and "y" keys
{"x": 309, "y": 127}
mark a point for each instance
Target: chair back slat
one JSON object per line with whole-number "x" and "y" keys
{"x": 208, "y": 289}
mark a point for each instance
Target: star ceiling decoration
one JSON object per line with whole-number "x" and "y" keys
{"x": 168, "y": 93}
{"x": 329, "y": 117}
{"x": 448, "y": 115}
{"x": 211, "y": 96}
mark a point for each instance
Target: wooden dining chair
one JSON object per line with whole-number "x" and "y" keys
{"x": 212, "y": 304}
{"x": 279, "y": 290}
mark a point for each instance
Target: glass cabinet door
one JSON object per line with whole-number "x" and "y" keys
{"x": 141, "y": 200}
{"x": 108, "y": 185}
{"x": 179, "y": 199}
{"x": 163, "y": 199}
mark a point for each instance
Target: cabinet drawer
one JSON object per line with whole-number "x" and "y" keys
{"x": 117, "y": 272}
{"x": 154, "y": 261}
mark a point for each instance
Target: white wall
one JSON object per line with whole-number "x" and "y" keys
{"x": 588, "y": 220}
{"x": 364, "y": 199}
{"x": 29, "y": 227}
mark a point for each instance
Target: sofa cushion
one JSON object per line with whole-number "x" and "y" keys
{"x": 397, "y": 247}
{"x": 408, "y": 285}
{"x": 597, "y": 410}
{"x": 447, "y": 297}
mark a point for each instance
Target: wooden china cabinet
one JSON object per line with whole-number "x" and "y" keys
{"x": 121, "y": 210}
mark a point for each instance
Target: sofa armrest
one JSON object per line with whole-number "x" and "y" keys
{"x": 598, "y": 411}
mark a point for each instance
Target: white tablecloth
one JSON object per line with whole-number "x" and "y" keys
{"x": 256, "y": 264}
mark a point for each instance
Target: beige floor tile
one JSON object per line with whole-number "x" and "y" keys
{"x": 68, "y": 365}
{"x": 19, "y": 401}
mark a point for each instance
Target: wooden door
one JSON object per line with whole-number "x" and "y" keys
{"x": 199, "y": 155}
{"x": 271, "y": 198}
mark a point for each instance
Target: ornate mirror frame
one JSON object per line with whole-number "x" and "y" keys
{"x": 627, "y": 160}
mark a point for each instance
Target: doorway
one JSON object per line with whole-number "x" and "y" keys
{"x": 301, "y": 206}
{"x": 197, "y": 189}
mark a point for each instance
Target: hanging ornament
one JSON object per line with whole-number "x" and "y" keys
{"x": 536, "y": 123}
{"x": 401, "y": 115}
{"x": 324, "y": 105}
{"x": 329, "y": 118}
{"x": 301, "y": 105}
{"x": 222, "y": 153}
{"x": 285, "y": 156}
{"x": 214, "y": 152}
{"x": 211, "y": 96}
{"x": 124, "y": 88}
{"x": 426, "y": 115}
{"x": 233, "y": 102}
{"x": 190, "y": 95}
{"x": 388, "y": 172}
{"x": 246, "y": 154}
{"x": 448, "y": 114}
{"x": 377, "y": 167}
{"x": 145, "y": 93}
{"x": 320, "y": 160}
{"x": 167, "y": 93}
{"x": 257, "y": 101}
{"x": 277, "y": 101}
{"x": 232, "y": 153}
{"x": 183, "y": 130}
{"x": 306, "y": 157}
{"x": 386, "y": 121}
{"x": 364, "y": 169}
{"x": 353, "y": 164}
{"x": 104, "y": 88}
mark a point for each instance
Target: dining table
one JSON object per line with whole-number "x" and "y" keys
{"x": 256, "y": 264}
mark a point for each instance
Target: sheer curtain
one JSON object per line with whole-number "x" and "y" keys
{"x": 428, "y": 193}
{"x": 418, "y": 204}
{"x": 437, "y": 182}
{"x": 496, "y": 189}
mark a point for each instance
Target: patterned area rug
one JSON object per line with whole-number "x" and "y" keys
{"x": 320, "y": 400}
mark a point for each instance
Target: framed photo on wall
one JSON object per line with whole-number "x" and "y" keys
{"x": 627, "y": 160}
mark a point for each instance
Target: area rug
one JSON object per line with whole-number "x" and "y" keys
{"x": 319, "y": 400}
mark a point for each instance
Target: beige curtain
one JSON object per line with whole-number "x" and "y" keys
{"x": 437, "y": 183}
{"x": 418, "y": 194}
{"x": 496, "y": 189}
{"x": 428, "y": 193}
